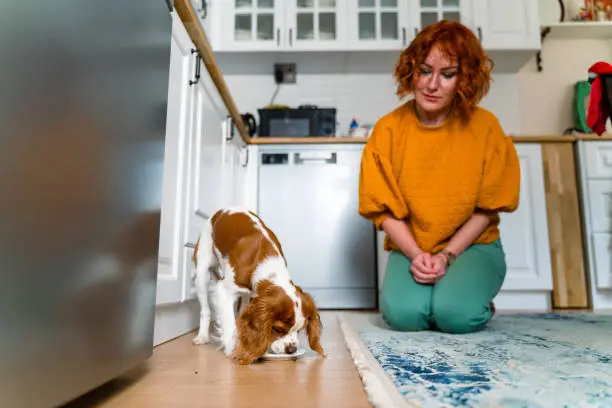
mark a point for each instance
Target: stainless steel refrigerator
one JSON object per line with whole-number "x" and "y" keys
{"x": 83, "y": 91}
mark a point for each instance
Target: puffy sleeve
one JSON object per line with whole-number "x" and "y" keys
{"x": 379, "y": 192}
{"x": 501, "y": 180}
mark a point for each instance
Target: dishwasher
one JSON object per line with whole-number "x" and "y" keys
{"x": 308, "y": 195}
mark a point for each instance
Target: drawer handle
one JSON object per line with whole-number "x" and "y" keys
{"x": 298, "y": 159}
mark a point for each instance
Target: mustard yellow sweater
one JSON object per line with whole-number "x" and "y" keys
{"x": 437, "y": 177}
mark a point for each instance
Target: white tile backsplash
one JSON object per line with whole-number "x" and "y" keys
{"x": 358, "y": 85}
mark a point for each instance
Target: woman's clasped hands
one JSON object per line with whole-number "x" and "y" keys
{"x": 427, "y": 269}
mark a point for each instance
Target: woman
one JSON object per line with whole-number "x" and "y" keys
{"x": 435, "y": 174}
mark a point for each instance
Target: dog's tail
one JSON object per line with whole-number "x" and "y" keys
{"x": 202, "y": 252}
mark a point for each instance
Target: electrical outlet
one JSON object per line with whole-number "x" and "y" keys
{"x": 285, "y": 73}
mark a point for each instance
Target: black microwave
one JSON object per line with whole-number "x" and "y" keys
{"x": 299, "y": 122}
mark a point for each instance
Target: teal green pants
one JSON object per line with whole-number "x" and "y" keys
{"x": 457, "y": 303}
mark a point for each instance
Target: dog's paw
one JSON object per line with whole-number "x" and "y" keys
{"x": 228, "y": 346}
{"x": 227, "y": 350}
{"x": 200, "y": 339}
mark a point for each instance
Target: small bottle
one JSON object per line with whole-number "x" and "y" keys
{"x": 352, "y": 127}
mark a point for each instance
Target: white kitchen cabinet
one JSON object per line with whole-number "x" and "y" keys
{"x": 202, "y": 10}
{"x": 314, "y": 25}
{"x": 250, "y": 25}
{"x": 235, "y": 161}
{"x": 507, "y": 25}
{"x": 524, "y": 235}
{"x": 393, "y": 24}
{"x": 204, "y": 169}
{"x": 200, "y": 161}
{"x": 379, "y": 24}
{"x": 275, "y": 25}
{"x": 427, "y": 12}
{"x": 178, "y": 131}
{"x": 364, "y": 25}
{"x": 595, "y": 167}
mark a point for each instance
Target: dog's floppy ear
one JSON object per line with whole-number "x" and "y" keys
{"x": 253, "y": 332}
{"x": 313, "y": 322}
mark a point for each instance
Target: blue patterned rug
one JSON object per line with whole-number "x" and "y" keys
{"x": 520, "y": 360}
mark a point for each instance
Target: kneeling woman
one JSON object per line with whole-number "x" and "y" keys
{"x": 435, "y": 174}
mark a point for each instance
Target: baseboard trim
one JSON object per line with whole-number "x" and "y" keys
{"x": 175, "y": 320}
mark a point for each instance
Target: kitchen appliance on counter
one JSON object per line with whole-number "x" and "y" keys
{"x": 308, "y": 195}
{"x": 84, "y": 86}
{"x": 250, "y": 123}
{"x": 305, "y": 121}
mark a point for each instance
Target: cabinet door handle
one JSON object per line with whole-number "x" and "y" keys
{"x": 201, "y": 214}
{"x": 197, "y": 67}
{"x": 204, "y": 9}
{"x": 404, "y": 36}
{"x": 479, "y": 33}
{"x": 230, "y": 128}
{"x": 278, "y": 37}
{"x": 291, "y": 37}
{"x": 246, "y": 157}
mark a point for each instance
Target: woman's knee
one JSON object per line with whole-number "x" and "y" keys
{"x": 405, "y": 315}
{"x": 458, "y": 317}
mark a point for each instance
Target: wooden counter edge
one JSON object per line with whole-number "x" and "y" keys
{"x": 344, "y": 139}
{"x": 190, "y": 20}
{"x": 306, "y": 140}
{"x": 604, "y": 137}
{"x": 543, "y": 139}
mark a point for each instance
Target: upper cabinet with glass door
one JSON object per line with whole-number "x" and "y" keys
{"x": 277, "y": 25}
{"x": 353, "y": 25}
{"x": 250, "y": 25}
{"x": 427, "y": 12}
{"x": 393, "y": 24}
{"x": 379, "y": 24}
{"x": 315, "y": 24}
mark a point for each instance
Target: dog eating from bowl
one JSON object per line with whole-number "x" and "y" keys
{"x": 238, "y": 258}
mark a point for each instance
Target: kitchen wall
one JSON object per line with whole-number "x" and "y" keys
{"x": 359, "y": 85}
{"x": 547, "y": 97}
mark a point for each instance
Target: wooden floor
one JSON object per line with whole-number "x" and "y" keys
{"x": 182, "y": 375}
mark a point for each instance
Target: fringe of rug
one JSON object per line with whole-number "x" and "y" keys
{"x": 379, "y": 389}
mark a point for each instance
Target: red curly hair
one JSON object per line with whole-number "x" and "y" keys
{"x": 457, "y": 43}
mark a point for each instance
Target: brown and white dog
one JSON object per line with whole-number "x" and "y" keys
{"x": 238, "y": 256}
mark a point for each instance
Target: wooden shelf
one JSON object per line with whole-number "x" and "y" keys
{"x": 580, "y": 30}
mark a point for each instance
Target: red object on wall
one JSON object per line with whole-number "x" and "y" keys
{"x": 600, "y": 102}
